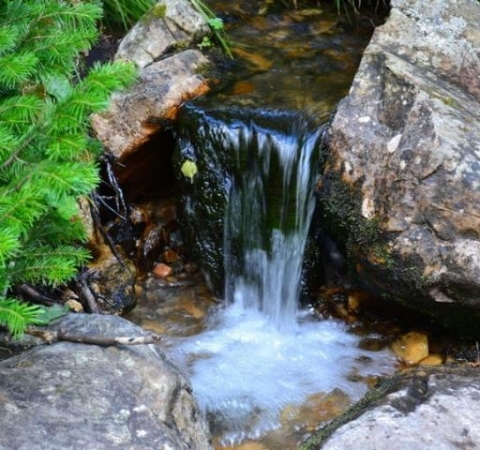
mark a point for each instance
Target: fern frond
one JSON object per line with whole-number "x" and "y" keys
{"x": 16, "y": 316}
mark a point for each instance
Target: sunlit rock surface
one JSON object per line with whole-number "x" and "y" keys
{"x": 138, "y": 113}
{"x": 77, "y": 396}
{"x": 169, "y": 75}
{"x": 403, "y": 179}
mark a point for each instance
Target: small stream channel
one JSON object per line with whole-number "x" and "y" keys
{"x": 265, "y": 370}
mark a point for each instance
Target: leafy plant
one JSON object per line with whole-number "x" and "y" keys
{"x": 355, "y": 5}
{"x": 216, "y": 24}
{"x": 47, "y": 158}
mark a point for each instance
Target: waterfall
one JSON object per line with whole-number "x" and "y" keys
{"x": 268, "y": 213}
{"x": 251, "y": 205}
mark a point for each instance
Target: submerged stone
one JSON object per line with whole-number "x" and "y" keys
{"x": 411, "y": 348}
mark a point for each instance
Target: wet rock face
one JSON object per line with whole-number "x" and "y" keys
{"x": 228, "y": 146}
{"x": 80, "y": 396}
{"x": 134, "y": 132}
{"x": 403, "y": 180}
{"x": 438, "y": 411}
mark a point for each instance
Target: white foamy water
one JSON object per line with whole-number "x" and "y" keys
{"x": 244, "y": 371}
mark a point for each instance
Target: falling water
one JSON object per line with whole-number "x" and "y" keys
{"x": 267, "y": 217}
{"x": 260, "y": 353}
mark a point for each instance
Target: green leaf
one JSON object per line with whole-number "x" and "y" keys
{"x": 189, "y": 169}
{"x": 58, "y": 86}
{"x": 216, "y": 23}
{"x": 48, "y": 314}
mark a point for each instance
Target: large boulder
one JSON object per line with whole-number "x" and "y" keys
{"x": 402, "y": 184}
{"x": 417, "y": 411}
{"x": 78, "y": 396}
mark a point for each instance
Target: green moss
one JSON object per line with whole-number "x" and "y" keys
{"x": 361, "y": 238}
{"x": 449, "y": 101}
{"x": 159, "y": 11}
{"x": 203, "y": 69}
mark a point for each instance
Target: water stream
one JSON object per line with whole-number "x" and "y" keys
{"x": 262, "y": 368}
{"x": 260, "y": 355}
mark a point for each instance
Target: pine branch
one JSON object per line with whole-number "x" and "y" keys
{"x": 16, "y": 316}
{"x": 9, "y": 245}
{"x": 48, "y": 265}
{"x": 16, "y": 69}
{"x": 8, "y": 38}
{"x": 47, "y": 158}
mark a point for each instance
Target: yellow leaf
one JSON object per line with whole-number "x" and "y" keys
{"x": 189, "y": 169}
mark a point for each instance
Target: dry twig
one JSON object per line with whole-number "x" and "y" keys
{"x": 50, "y": 337}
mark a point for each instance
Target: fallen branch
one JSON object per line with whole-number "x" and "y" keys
{"x": 50, "y": 337}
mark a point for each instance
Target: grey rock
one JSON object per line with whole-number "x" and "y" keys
{"x": 426, "y": 412}
{"x": 77, "y": 396}
{"x": 403, "y": 176}
{"x": 170, "y": 74}
{"x": 170, "y": 24}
